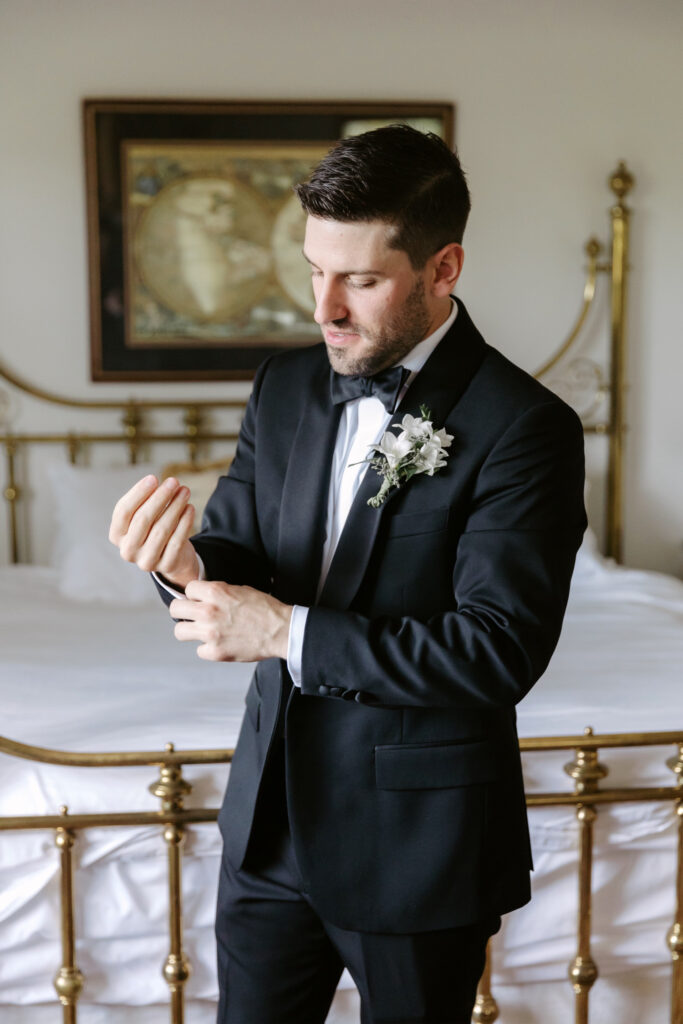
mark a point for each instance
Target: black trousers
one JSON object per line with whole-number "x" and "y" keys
{"x": 279, "y": 962}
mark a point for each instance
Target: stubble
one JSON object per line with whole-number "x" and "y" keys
{"x": 398, "y": 335}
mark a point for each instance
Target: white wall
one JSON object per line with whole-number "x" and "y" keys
{"x": 549, "y": 95}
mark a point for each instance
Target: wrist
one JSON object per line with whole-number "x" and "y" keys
{"x": 180, "y": 575}
{"x": 280, "y": 635}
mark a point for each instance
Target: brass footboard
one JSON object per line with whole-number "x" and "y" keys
{"x": 172, "y": 789}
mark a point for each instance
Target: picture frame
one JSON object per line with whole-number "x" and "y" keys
{"x": 195, "y": 233}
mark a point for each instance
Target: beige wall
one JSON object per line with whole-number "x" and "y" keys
{"x": 549, "y": 95}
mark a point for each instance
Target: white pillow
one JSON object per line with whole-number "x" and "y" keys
{"x": 90, "y": 567}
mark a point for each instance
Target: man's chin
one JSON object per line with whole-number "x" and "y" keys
{"x": 349, "y": 365}
{"x": 342, "y": 362}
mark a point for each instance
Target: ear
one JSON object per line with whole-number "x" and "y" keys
{"x": 444, "y": 269}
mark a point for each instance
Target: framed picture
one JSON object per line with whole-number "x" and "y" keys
{"x": 195, "y": 233}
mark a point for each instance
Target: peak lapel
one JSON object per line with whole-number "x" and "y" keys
{"x": 303, "y": 507}
{"x": 439, "y": 385}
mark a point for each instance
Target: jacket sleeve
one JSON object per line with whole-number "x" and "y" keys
{"x": 510, "y": 576}
{"x": 230, "y": 543}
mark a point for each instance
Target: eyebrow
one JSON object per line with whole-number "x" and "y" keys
{"x": 348, "y": 273}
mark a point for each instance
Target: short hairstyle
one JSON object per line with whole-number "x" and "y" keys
{"x": 407, "y": 178}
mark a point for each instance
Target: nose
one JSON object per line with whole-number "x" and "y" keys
{"x": 329, "y": 301}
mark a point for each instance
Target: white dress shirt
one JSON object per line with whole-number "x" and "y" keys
{"x": 363, "y": 423}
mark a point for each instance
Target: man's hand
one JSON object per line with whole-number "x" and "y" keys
{"x": 150, "y": 526}
{"x": 232, "y": 623}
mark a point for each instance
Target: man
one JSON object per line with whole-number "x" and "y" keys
{"x": 375, "y": 814}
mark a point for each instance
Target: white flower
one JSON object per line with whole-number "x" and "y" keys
{"x": 415, "y": 427}
{"x": 417, "y": 449}
{"x": 393, "y": 448}
{"x": 430, "y": 457}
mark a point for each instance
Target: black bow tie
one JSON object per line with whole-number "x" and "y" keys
{"x": 385, "y": 385}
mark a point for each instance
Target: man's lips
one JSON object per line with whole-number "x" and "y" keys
{"x": 338, "y": 337}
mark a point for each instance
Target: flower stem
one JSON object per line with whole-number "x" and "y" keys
{"x": 381, "y": 494}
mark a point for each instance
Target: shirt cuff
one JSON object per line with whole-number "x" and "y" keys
{"x": 295, "y": 645}
{"x": 174, "y": 590}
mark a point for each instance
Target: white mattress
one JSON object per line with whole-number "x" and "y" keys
{"x": 90, "y": 677}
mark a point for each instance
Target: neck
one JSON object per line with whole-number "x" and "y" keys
{"x": 440, "y": 312}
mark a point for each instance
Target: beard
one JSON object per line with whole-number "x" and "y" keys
{"x": 400, "y": 333}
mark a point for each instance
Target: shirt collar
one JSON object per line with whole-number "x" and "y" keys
{"x": 419, "y": 355}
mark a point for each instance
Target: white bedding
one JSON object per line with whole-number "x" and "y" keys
{"x": 85, "y": 676}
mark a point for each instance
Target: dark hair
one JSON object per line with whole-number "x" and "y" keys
{"x": 407, "y": 178}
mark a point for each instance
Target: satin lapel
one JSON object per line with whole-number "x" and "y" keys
{"x": 303, "y": 508}
{"x": 438, "y": 386}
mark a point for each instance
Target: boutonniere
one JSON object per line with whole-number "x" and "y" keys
{"x": 417, "y": 449}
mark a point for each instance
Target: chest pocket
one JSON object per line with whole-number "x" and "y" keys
{"x": 412, "y": 524}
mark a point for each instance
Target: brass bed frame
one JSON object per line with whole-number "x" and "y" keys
{"x": 172, "y": 789}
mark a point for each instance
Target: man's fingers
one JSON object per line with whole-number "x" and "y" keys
{"x": 213, "y": 590}
{"x": 152, "y": 549}
{"x": 178, "y": 538}
{"x": 127, "y": 505}
{"x": 182, "y": 609}
{"x": 146, "y": 515}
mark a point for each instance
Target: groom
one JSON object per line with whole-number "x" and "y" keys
{"x": 375, "y": 815}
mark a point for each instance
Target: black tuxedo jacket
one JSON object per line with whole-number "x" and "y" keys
{"x": 441, "y": 609}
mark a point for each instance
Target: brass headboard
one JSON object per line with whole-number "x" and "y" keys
{"x": 608, "y": 388}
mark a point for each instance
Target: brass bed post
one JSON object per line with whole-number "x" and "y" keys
{"x": 621, "y": 182}
{"x": 11, "y": 495}
{"x": 132, "y": 421}
{"x": 586, "y": 772}
{"x": 68, "y": 980}
{"x": 172, "y": 788}
{"x": 194, "y": 422}
{"x": 674, "y": 937}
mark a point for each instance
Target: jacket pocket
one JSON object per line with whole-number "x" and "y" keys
{"x": 253, "y": 702}
{"x": 413, "y": 523}
{"x": 434, "y": 766}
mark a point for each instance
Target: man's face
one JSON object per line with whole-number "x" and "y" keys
{"x": 372, "y": 306}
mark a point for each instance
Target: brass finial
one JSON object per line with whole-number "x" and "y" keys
{"x": 675, "y": 763}
{"x": 176, "y": 970}
{"x": 593, "y": 248}
{"x": 192, "y": 420}
{"x": 582, "y": 973}
{"x": 585, "y": 769}
{"x": 170, "y": 787}
{"x": 621, "y": 181}
{"x": 69, "y": 985}
{"x": 485, "y": 1010}
{"x": 131, "y": 419}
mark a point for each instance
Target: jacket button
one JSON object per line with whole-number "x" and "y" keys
{"x": 323, "y": 691}
{"x": 359, "y": 698}
{"x": 336, "y": 691}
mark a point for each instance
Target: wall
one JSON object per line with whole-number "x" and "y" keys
{"x": 549, "y": 95}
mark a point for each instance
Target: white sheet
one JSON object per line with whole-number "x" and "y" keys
{"x": 87, "y": 677}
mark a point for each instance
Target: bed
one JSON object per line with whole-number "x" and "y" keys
{"x": 90, "y": 665}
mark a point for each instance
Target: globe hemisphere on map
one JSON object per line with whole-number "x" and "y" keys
{"x": 202, "y": 247}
